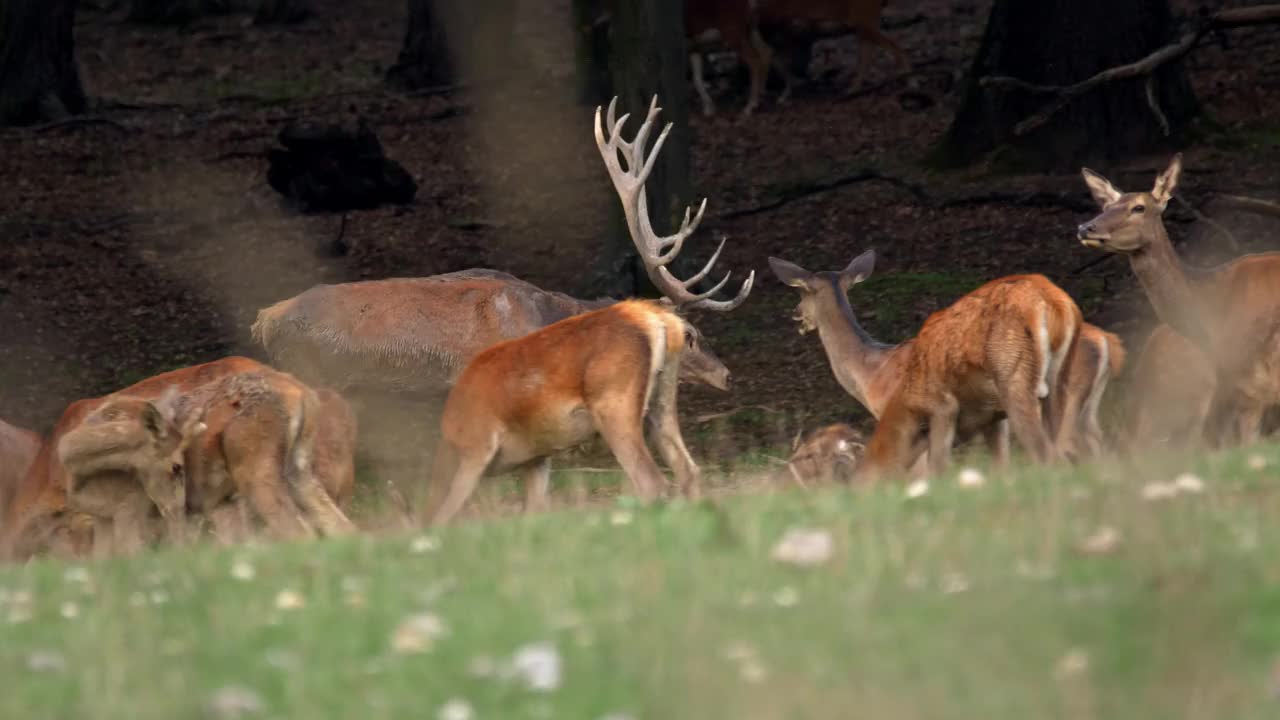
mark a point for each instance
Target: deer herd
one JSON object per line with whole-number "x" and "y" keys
{"x": 524, "y": 374}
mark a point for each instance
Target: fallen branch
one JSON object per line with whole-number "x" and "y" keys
{"x": 810, "y": 189}
{"x": 1233, "y": 18}
{"x": 80, "y": 121}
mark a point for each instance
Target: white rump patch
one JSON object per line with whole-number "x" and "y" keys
{"x": 1042, "y": 342}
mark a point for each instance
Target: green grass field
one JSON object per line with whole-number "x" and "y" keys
{"x": 1042, "y": 594}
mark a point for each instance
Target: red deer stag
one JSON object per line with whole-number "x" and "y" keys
{"x": 1230, "y": 312}
{"x": 124, "y": 460}
{"x": 872, "y": 372}
{"x": 607, "y": 371}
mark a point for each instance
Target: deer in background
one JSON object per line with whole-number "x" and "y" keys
{"x": 873, "y": 372}
{"x": 827, "y": 454}
{"x": 787, "y": 19}
{"x": 1230, "y": 312}
{"x": 608, "y": 371}
{"x": 1169, "y": 396}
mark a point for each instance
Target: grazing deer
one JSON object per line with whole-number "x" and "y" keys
{"x": 808, "y": 18}
{"x": 1230, "y": 312}
{"x": 828, "y": 454}
{"x": 606, "y": 371}
{"x": 261, "y": 452}
{"x": 873, "y": 372}
{"x": 1099, "y": 357}
{"x": 1169, "y": 396}
{"x": 38, "y": 512}
{"x": 124, "y": 461}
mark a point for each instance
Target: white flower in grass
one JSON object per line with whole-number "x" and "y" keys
{"x": 752, "y": 671}
{"x": 786, "y": 597}
{"x": 1159, "y": 491}
{"x": 46, "y": 661}
{"x": 20, "y": 607}
{"x": 538, "y": 666}
{"x": 1188, "y": 483}
{"x": 70, "y": 610}
{"x": 917, "y": 489}
{"x": 1256, "y": 462}
{"x": 418, "y": 633}
{"x": 1074, "y": 662}
{"x": 75, "y": 574}
{"x": 159, "y": 597}
{"x": 242, "y": 570}
{"x": 620, "y": 517}
{"x": 289, "y": 600}
{"x": 424, "y": 544}
{"x": 456, "y": 709}
{"x": 804, "y": 547}
{"x": 971, "y": 478}
{"x": 953, "y": 583}
{"x": 234, "y": 701}
{"x": 1103, "y": 541}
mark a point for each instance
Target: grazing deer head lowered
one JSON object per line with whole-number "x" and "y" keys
{"x": 608, "y": 371}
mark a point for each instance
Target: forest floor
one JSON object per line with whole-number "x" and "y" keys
{"x": 147, "y": 237}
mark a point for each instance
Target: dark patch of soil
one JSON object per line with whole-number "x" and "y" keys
{"x": 150, "y": 241}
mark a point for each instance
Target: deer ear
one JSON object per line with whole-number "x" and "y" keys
{"x": 1104, "y": 193}
{"x": 790, "y": 273}
{"x": 860, "y": 269}
{"x": 153, "y": 420}
{"x": 1167, "y": 181}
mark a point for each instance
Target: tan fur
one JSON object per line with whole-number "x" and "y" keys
{"x": 974, "y": 363}
{"x": 520, "y": 402}
{"x": 18, "y": 449}
{"x": 38, "y": 513}
{"x": 827, "y": 455}
{"x": 123, "y": 462}
{"x": 1231, "y": 312}
{"x": 1098, "y": 357}
{"x": 858, "y": 16}
{"x": 733, "y": 22}
{"x": 260, "y": 449}
{"x": 1170, "y": 394}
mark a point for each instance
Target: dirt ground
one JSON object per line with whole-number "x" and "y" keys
{"x": 147, "y": 238}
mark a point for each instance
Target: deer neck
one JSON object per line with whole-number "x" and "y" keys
{"x": 856, "y": 358}
{"x": 1171, "y": 287}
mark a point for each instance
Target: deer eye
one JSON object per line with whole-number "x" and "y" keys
{"x": 1138, "y": 209}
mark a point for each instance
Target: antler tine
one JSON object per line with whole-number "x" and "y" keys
{"x": 657, "y": 251}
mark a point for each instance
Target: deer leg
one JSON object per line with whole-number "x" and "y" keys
{"x": 536, "y": 478}
{"x": 444, "y": 501}
{"x": 318, "y": 506}
{"x": 665, "y": 421}
{"x": 756, "y": 54}
{"x": 1022, "y": 407}
{"x": 129, "y": 522}
{"x": 1248, "y": 422}
{"x": 620, "y": 427}
{"x": 942, "y": 435}
{"x": 229, "y": 522}
{"x": 260, "y": 481}
{"x": 700, "y": 84}
{"x": 895, "y": 445}
{"x": 996, "y": 436}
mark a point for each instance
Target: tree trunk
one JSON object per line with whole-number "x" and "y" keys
{"x": 426, "y": 60}
{"x": 647, "y": 57}
{"x": 591, "y": 52}
{"x": 39, "y": 79}
{"x": 1062, "y": 42}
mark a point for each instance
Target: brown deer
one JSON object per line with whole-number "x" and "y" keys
{"x": 1099, "y": 357}
{"x": 607, "y": 371}
{"x": 826, "y": 455}
{"x": 1170, "y": 392}
{"x": 872, "y": 372}
{"x": 787, "y": 19}
{"x": 124, "y": 461}
{"x": 1230, "y": 312}
{"x": 18, "y": 449}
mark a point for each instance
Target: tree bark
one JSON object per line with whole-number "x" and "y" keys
{"x": 39, "y": 79}
{"x": 591, "y": 53}
{"x": 1061, "y": 42}
{"x": 426, "y": 59}
{"x": 647, "y": 57}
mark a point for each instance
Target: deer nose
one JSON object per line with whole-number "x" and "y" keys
{"x": 1084, "y": 231}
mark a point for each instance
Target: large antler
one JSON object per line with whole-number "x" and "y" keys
{"x": 656, "y": 251}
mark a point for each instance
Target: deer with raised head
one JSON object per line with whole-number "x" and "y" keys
{"x": 1230, "y": 312}
{"x": 607, "y": 371}
{"x": 124, "y": 462}
{"x": 1170, "y": 392}
{"x": 981, "y": 366}
{"x": 871, "y": 371}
